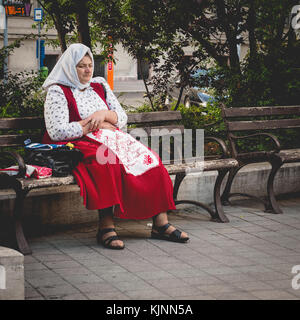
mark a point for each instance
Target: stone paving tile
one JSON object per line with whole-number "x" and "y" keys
{"x": 75, "y": 296}
{"x": 51, "y": 257}
{"x": 61, "y": 264}
{"x": 31, "y": 292}
{"x": 149, "y": 275}
{"x": 82, "y": 278}
{"x": 111, "y": 296}
{"x": 236, "y": 277}
{"x": 202, "y": 280}
{"x": 74, "y": 271}
{"x": 95, "y": 287}
{"x": 238, "y": 295}
{"x": 280, "y": 284}
{"x": 97, "y": 261}
{"x": 136, "y": 267}
{"x": 285, "y": 268}
{"x": 196, "y": 297}
{"x": 263, "y": 276}
{"x": 253, "y": 285}
{"x": 249, "y": 258}
{"x": 149, "y": 294}
{"x": 58, "y": 290}
{"x": 37, "y": 274}
{"x": 45, "y": 281}
{"x": 102, "y": 270}
{"x": 232, "y": 261}
{"x": 181, "y": 291}
{"x": 113, "y": 277}
{"x": 220, "y": 270}
{"x": 35, "y": 266}
{"x": 216, "y": 290}
{"x": 169, "y": 283}
{"x": 273, "y": 295}
{"x": 133, "y": 285}
{"x": 293, "y": 292}
{"x": 36, "y": 298}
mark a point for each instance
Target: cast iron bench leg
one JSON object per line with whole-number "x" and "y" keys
{"x": 272, "y": 203}
{"x": 226, "y": 193}
{"x": 17, "y": 218}
{"x": 218, "y": 215}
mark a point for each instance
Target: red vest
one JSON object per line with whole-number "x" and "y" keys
{"x": 73, "y": 110}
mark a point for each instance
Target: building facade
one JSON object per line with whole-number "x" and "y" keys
{"x": 25, "y": 57}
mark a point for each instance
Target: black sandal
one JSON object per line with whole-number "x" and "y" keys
{"x": 107, "y": 242}
{"x": 174, "y": 236}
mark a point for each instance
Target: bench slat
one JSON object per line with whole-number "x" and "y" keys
{"x": 162, "y": 130}
{"x": 48, "y": 182}
{"x": 260, "y": 111}
{"x": 22, "y": 123}
{"x": 133, "y": 118}
{"x": 17, "y": 140}
{"x": 263, "y": 124}
{"x": 147, "y": 117}
{"x": 207, "y": 165}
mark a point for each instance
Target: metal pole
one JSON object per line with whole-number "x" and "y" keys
{"x": 5, "y": 44}
{"x": 39, "y": 46}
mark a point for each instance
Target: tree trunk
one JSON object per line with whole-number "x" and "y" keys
{"x": 55, "y": 13}
{"x": 145, "y": 84}
{"x": 251, "y": 25}
{"x": 61, "y": 34}
{"x": 83, "y": 23}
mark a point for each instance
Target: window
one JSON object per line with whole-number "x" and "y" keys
{"x": 50, "y": 61}
{"x": 98, "y": 66}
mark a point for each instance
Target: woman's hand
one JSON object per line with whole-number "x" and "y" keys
{"x": 96, "y": 119}
{"x": 107, "y": 125}
{"x": 85, "y": 124}
{"x": 102, "y": 119}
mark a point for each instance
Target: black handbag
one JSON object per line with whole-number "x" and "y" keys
{"x": 61, "y": 160}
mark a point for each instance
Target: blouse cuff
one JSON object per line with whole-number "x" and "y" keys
{"x": 122, "y": 119}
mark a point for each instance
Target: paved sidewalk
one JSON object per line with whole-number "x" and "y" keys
{"x": 251, "y": 257}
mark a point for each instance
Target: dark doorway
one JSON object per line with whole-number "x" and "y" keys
{"x": 99, "y": 67}
{"x": 50, "y": 61}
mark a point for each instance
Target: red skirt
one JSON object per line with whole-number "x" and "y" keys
{"x": 106, "y": 185}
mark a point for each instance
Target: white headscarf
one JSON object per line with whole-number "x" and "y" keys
{"x": 64, "y": 72}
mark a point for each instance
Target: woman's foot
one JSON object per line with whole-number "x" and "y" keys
{"x": 107, "y": 235}
{"x": 109, "y": 239}
{"x": 163, "y": 230}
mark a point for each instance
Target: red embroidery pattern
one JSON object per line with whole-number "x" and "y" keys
{"x": 135, "y": 157}
{"x": 97, "y": 133}
{"x": 147, "y": 159}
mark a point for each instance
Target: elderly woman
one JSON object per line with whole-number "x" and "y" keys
{"x": 83, "y": 110}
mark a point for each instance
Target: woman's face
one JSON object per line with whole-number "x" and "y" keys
{"x": 85, "y": 69}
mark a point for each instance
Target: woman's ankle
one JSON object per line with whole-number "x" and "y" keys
{"x": 160, "y": 219}
{"x": 106, "y": 222}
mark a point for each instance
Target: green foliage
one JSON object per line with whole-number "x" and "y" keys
{"x": 20, "y": 93}
{"x": 208, "y": 118}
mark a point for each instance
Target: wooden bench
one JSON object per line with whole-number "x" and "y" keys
{"x": 245, "y": 123}
{"x": 18, "y": 187}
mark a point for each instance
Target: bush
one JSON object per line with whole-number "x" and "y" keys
{"x": 21, "y": 95}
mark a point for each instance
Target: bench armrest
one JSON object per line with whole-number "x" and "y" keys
{"x": 273, "y": 139}
{"x": 18, "y": 159}
{"x": 221, "y": 143}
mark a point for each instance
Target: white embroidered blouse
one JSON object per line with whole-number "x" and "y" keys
{"x": 56, "y": 111}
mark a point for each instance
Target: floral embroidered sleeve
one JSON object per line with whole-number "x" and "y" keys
{"x": 56, "y": 113}
{"x": 113, "y": 103}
